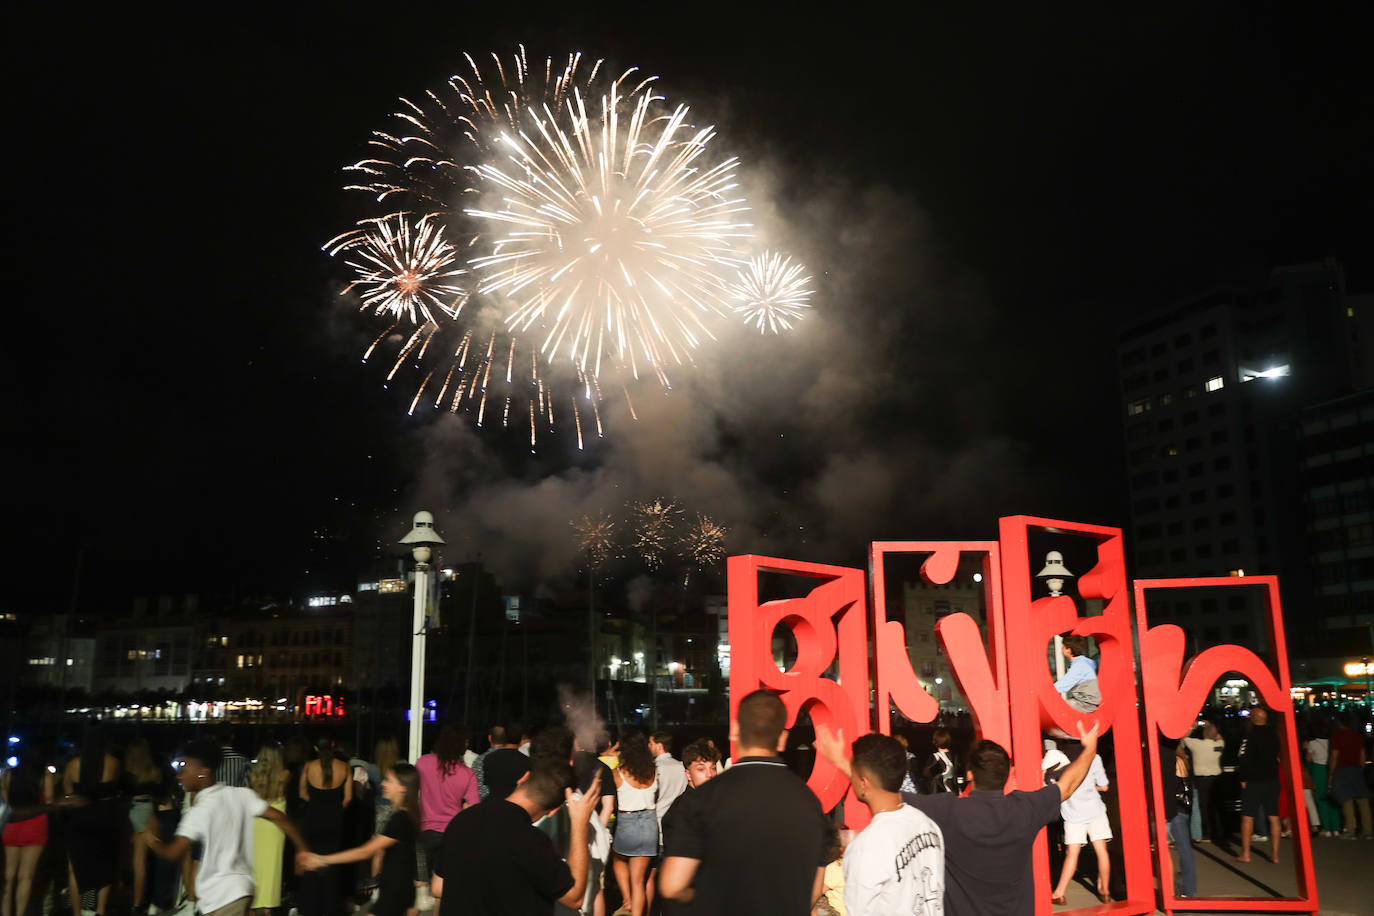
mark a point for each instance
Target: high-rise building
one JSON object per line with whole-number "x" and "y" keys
{"x": 1212, "y": 393}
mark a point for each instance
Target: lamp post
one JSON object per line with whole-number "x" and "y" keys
{"x": 421, "y": 537}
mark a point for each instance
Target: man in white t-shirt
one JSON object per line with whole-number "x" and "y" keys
{"x": 897, "y": 863}
{"x": 1085, "y": 820}
{"x": 221, "y": 819}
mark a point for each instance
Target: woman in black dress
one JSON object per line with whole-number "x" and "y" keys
{"x": 395, "y": 843}
{"x": 326, "y": 789}
{"x": 92, "y": 831}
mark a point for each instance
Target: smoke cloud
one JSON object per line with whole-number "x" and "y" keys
{"x": 874, "y": 418}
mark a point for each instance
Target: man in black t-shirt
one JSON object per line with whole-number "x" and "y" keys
{"x": 753, "y": 839}
{"x": 503, "y": 766}
{"x": 1258, "y": 768}
{"x": 494, "y": 861}
{"x": 988, "y": 834}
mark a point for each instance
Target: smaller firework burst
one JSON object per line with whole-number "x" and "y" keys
{"x": 770, "y": 293}
{"x": 403, "y": 270}
{"x": 653, "y": 526}
{"x": 595, "y": 537}
{"x": 703, "y": 544}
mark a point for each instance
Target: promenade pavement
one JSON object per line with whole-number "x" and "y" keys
{"x": 1345, "y": 876}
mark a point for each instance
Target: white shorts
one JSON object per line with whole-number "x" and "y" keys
{"x": 1078, "y": 834}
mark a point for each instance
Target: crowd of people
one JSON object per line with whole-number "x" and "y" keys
{"x": 547, "y": 823}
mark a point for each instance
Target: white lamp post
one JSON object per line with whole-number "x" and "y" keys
{"x": 422, "y": 535}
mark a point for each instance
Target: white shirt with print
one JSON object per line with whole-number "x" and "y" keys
{"x": 896, "y": 865}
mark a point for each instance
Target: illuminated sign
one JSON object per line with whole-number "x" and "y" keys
{"x": 322, "y": 706}
{"x": 391, "y": 586}
{"x": 1359, "y": 669}
{"x": 851, "y": 669}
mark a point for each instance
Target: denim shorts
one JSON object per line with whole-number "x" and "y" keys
{"x": 636, "y": 833}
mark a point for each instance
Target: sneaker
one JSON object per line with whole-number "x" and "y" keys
{"x": 1348, "y": 836}
{"x": 1328, "y": 833}
{"x": 1260, "y": 838}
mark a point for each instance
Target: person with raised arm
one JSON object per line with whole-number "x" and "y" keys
{"x": 990, "y": 832}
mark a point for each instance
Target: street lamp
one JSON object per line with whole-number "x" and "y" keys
{"x": 421, "y": 537}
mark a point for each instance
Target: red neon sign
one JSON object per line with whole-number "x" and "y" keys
{"x": 323, "y": 706}
{"x": 1007, "y": 681}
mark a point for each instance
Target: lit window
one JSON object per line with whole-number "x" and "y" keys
{"x": 1215, "y": 383}
{"x": 1137, "y": 407}
{"x": 1237, "y": 573}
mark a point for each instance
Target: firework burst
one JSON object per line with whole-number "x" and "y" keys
{"x": 652, "y": 530}
{"x": 613, "y": 235}
{"x": 537, "y": 237}
{"x": 402, "y": 269}
{"x": 770, "y": 293}
{"x": 703, "y": 544}
{"x": 595, "y": 537}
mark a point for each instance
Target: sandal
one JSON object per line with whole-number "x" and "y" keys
{"x": 1058, "y": 901}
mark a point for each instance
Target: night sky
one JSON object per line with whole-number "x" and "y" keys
{"x": 989, "y": 194}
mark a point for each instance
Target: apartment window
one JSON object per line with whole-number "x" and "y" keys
{"x": 1165, "y": 399}
{"x": 1221, "y": 464}
{"x": 1147, "y": 505}
{"x": 1208, "y": 331}
{"x": 1218, "y": 435}
{"x": 1211, "y": 356}
{"x": 1171, "y": 501}
{"x": 1215, "y": 383}
{"x": 1190, "y": 417}
{"x": 1192, "y": 443}
{"x": 1170, "y": 476}
{"x": 1160, "y": 375}
{"x": 1166, "y": 424}
{"x": 1178, "y": 555}
{"x": 1225, "y": 491}
{"x": 1209, "y": 605}
{"x": 1197, "y": 497}
{"x": 1226, "y": 519}
{"x": 1174, "y": 529}
{"x": 1202, "y": 523}
{"x": 1230, "y": 546}
{"x": 1137, "y": 431}
{"x": 1190, "y": 392}
{"x": 1185, "y": 365}
{"x": 1139, "y": 456}
{"x": 1136, "y": 408}
{"x": 1240, "y": 631}
{"x": 1134, "y": 380}
{"x": 1216, "y": 410}
{"x": 1159, "y": 349}
{"x": 1133, "y": 357}
{"x": 1203, "y": 551}
{"x": 1195, "y": 469}
{"x": 1183, "y": 340}
{"x": 1168, "y": 451}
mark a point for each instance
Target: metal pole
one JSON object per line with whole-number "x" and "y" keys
{"x": 417, "y": 661}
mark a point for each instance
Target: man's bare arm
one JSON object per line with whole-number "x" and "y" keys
{"x": 675, "y": 878}
{"x": 1077, "y": 770}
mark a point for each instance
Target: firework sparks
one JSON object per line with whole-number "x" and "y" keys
{"x": 652, "y": 531}
{"x": 615, "y": 234}
{"x": 771, "y": 293}
{"x": 704, "y": 542}
{"x": 599, "y": 231}
{"x": 403, "y": 270}
{"x": 595, "y": 537}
